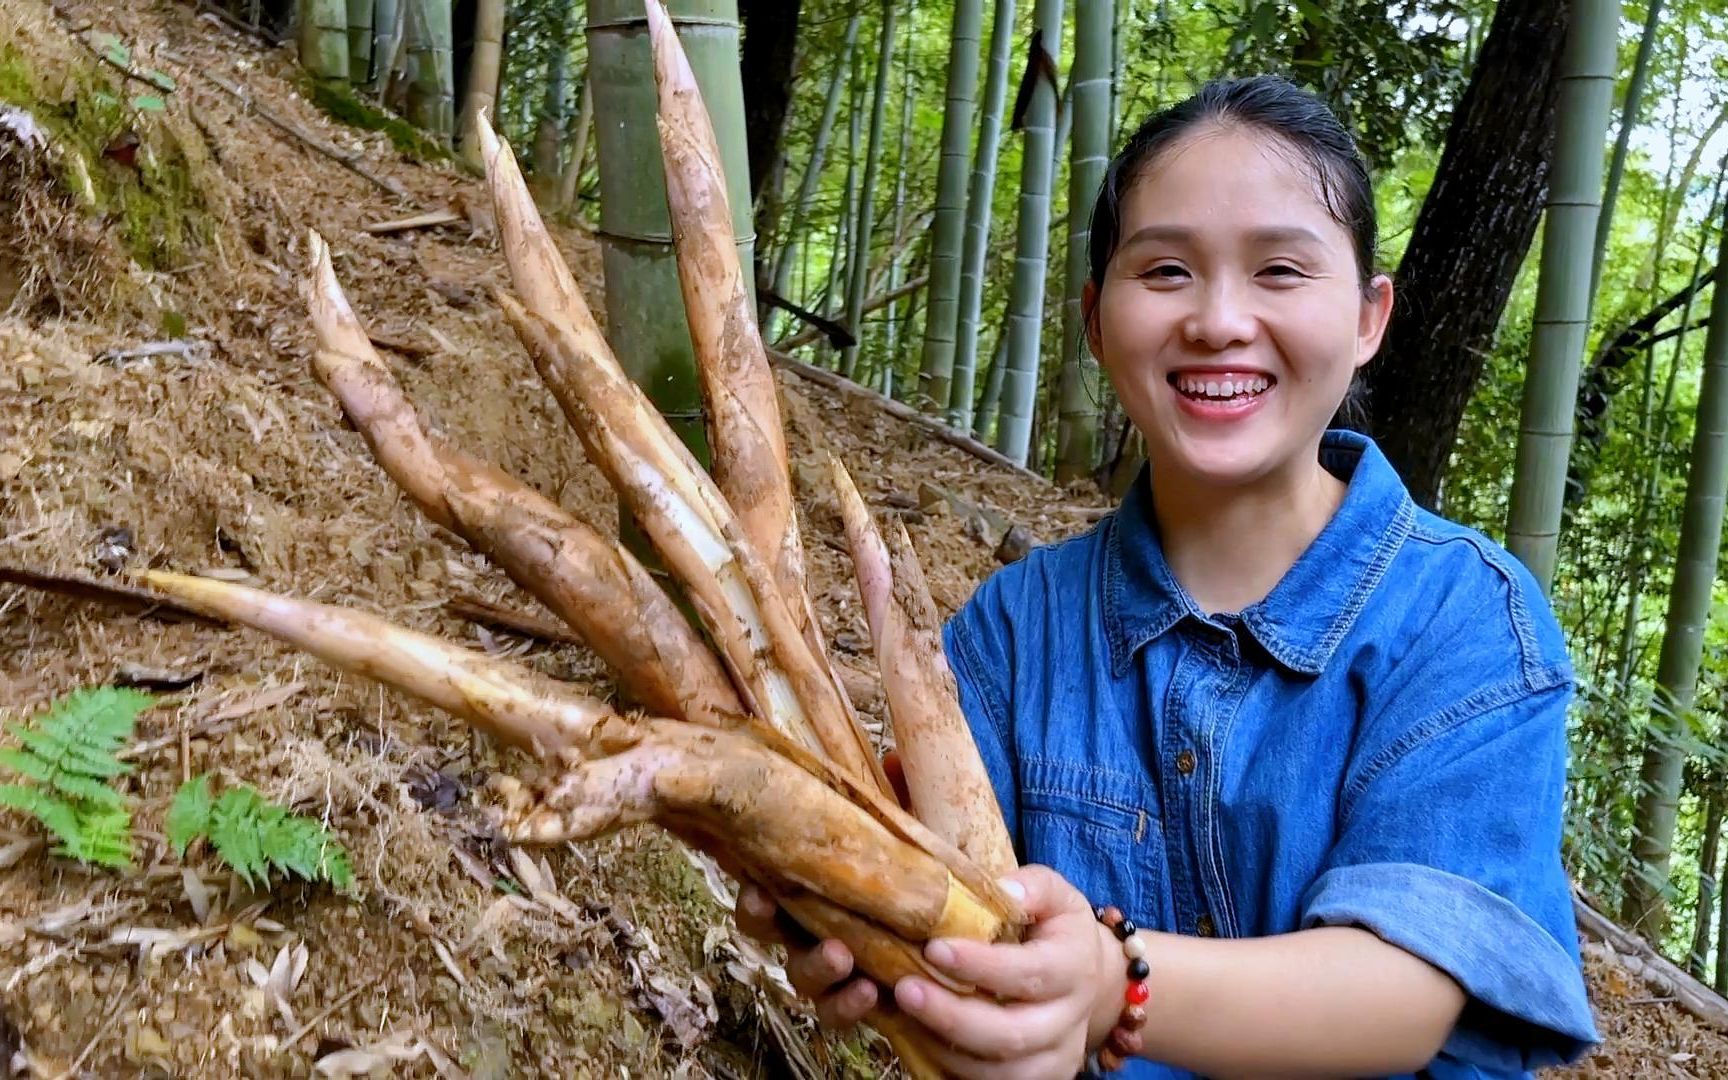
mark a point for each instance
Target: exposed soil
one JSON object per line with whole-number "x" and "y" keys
{"x": 452, "y": 955}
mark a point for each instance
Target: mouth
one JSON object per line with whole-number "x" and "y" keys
{"x": 1220, "y": 387}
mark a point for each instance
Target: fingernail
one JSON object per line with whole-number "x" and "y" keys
{"x": 1012, "y": 888}
{"x": 939, "y": 953}
{"x": 910, "y": 993}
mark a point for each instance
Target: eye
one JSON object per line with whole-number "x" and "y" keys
{"x": 1283, "y": 272}
{"x": 1164, "y": 272}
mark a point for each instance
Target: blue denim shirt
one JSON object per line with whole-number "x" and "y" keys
{"x": 1380, "y": 742}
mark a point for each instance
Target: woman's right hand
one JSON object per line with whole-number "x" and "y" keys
{"x": 819, "y": 970}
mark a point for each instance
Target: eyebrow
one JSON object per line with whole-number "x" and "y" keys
{"x": 1274, "y": 234}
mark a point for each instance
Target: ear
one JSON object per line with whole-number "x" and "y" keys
{"x": 1375, "y": 316}
{"x": 1089, "y": 317}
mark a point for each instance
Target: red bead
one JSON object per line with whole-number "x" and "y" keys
{"x": 1112, "y": 916}
{"x": 1109, "y": 1059}
{"x": 1133, "y": 1018}
{"x": 1137, "y": 993}
{"x": 1126, "y": 1043}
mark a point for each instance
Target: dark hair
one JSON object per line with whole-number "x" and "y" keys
{"x": 1273, "y": 105}
{"x": 1269, "y": 103}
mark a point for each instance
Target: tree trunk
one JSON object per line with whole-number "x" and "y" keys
{"x": 864, "y": 225}
{"x": 644, "y": 302}
{"x": 1089, "y": 86}
{"x": 483, "y": 70}
{"x": 324, "y": 39}
{"x": 1026, "y": 299}
{"x": 980, "y": 215}
{"x": 1622, "y": 140}
{"x": 1563, "y": 288}
{"x": 1468, "y": 242}
{"x": 770, "y": 45}
{"x": 1688, "y": 610}
{"x": 936, "y": 367}
{"x": 837, "y": 86}
{"x": 989, "y": 405}
{"x": 1697, "y": 959}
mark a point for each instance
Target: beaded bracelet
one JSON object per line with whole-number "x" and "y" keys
{"x": 1124, "y": 1040}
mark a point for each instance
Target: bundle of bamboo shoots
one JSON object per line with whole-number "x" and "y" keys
{"x": 746, "y": 747}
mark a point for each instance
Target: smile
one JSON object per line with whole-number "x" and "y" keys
{"x": 1219, "y": 387}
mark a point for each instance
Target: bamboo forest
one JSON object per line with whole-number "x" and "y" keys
{"x": 370, "y": 710}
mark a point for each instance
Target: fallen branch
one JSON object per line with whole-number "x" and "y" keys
{"x": 430, "y": 219}
{"x": 880, "y": 300}
{"x": 1636, "y": 955}
{"x": 510, "y": 620}
{"x": 901, "y": 411}
{"x": 125, "y": 597}
{"x": 349, "y": 161}
{"x": 177, "y": 347}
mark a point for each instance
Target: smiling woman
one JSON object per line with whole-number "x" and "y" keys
{"x": 1323, "y": 721}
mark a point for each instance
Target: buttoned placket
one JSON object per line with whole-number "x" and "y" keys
{"x": 1204, "y": 689}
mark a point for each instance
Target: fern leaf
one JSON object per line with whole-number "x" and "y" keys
{"x": 104, "y": 838}
{"x": 53, "y": 812}
{"x": 189, "y": 816}
{"x": 235, "y": 834}
{"x": 26, "y": 764}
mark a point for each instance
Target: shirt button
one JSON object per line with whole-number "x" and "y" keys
{"x": 1205, "y": 927}
{"x": 1185, "y": 762}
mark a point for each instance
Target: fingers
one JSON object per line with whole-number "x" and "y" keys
{"x": 1035, "y": 971}
{"x": 755, "y": 914}
{"x": 847, "y": 1005}
{"x": 1044, "y": 893}
{"x": 977, "y": 1028}
{"x": 815, "y": 971}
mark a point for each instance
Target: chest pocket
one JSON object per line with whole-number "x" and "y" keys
{"x": 1098, "y": 829}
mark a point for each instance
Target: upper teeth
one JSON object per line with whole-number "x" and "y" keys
{"x": 1195, "y": 384}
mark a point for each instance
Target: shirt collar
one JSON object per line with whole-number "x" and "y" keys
{"x": 1314, "y": 605}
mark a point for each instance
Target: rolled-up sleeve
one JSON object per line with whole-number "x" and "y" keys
{"x": 1449, "y": 848}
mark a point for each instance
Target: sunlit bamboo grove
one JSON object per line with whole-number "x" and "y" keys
{"x": 912, "y": 182}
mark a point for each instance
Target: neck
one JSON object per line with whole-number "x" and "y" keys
{"x": 1230, "y": 547}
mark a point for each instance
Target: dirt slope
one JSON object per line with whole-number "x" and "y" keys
{"x": 450, "y": 957}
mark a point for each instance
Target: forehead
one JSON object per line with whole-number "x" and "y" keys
{"x": 1229, "y": 177}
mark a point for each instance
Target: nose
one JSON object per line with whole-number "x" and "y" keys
{"x": 1219, "y": 318}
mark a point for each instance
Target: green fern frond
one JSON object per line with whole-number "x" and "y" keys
{"x": 70, "y": 753}
{"x": 58, "y": 815}
{"x": 254, "y": 836}
{"x": 189, "y": 816}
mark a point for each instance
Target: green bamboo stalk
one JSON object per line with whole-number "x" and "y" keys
{"x": 1689, "y": 601}
{"x": 1089, "y": 85}
{"x": 386, "y": 40}
{"x": 580, "y": 125}
{"x": 1026, "y": 298}
{"x": 1563, "y": 287}
{"x": 549, "y": 132}
{"x": 360, "y": 16}
{"x": 988, "y": 405}
{"x": 484, "y": 66}
{"x": 1622, "y": 140}
{"x": 324, "y": 39}
{"x": 936, "y": 367}
{"x": 897, "y": 265}
{"x": 864, "y": 228}
{"x": 644, "y": 302}
{"x": 834, "y": 303}
{"x": 980, "y": 210}
{"x": 837, "y": 83}
{"x": 431, "y": 79}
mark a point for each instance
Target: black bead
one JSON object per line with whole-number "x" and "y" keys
{"x": 1138, "y": 969}
{"x": 1125, "y": 929}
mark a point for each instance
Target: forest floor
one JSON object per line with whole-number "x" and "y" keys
{"x": 449, "y": 956}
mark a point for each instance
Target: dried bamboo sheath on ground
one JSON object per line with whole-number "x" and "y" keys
{"x": 750, "y": 751}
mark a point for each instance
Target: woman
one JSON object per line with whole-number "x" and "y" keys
{"x": 1307, "y": 736}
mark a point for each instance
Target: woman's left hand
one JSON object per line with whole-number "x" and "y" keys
{"x": 1040, "y": 1004}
